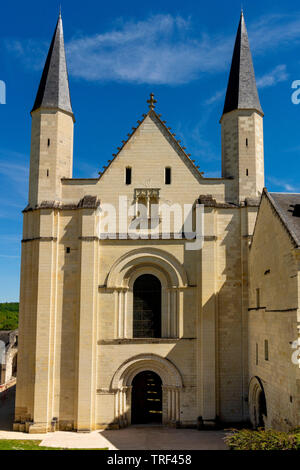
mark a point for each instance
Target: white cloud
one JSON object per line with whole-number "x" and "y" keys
{"x": 161, "y": 49}
{"x": 194, "y": 138}
{"x": 217, "y": 96}
{"x": 274, "y": 30}
{"x": 15, "y": 173}
{"x": 283, "y": 184}
{"x": 31, "y": 52}
{"x": 277, "y": 75}
{"x": 14, "y": 182}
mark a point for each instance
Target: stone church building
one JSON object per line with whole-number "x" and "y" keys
{"x": 118, "y": 330}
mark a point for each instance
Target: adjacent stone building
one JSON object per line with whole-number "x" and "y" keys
{"x": 117, "y": 329}
{"x": 8, "y": 358}
{"x": 274, "y": 313}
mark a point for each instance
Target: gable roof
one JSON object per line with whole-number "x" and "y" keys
{"x": 168, "y": 134}
{"x": 287, "y": 207}
{"x": 241, "y": 89}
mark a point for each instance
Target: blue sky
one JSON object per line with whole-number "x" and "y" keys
{"x": 117, "y": 53}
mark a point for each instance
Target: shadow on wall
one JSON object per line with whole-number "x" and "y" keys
{"x": 7, "y": 409}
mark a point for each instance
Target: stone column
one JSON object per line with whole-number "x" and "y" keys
{"x": 121, "y": 313}
{"x": 208, "y": 319}
{"x": 174, "y": 313}
{"x": 169, "y": 403}
{"x": 177, "y": 417}
{"x": 169, "y": 313}
{"x": 26, "y": 346}
{"x": 180, "y": 320}
{"x": 87, "y": 322}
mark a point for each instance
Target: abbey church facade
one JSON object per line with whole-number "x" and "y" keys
{"x": 118, "y": 330}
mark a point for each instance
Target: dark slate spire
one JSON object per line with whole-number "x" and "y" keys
{"x": 53, "y": 90}
{"x": 241, "y": 90}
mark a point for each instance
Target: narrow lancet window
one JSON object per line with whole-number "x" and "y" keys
{"x": 128, "y": 175}
{"x": 167, "y": 175}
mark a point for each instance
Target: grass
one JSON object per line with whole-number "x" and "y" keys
{"x": 28, "y": 444}
{"x": 9, "y": 316}
{"x": 246, "y": 439}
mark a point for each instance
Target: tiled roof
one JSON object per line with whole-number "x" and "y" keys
{"x": 53, "y": 90}
{"x": 287, "y": 206}
{"x": 241, "y": 90}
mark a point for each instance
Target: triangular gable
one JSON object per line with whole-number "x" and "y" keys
{"x": 166, "y": 131}
{"x": 279, "y": 213}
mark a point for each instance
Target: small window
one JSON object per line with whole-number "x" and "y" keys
{"x": 247, "y": 172}
{"x": 48, "y": 142}
{"x": 68, "y": 249}
{"x": 246, "y": 142}
{"x": 167, "y": 175}
{"x": 266, "y": 350}
{"x": 47, "y": 173}
{"x": 128, "y": 175}
{"x": 257, "y": 298}
{"x": 256, "y": 354}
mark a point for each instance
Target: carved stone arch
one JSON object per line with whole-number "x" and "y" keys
{"x": 172, "y": 385}
{"x": 257, "y": 402}
{"x": 172, "y": 276}
{"x": 167, "y": 371}
{"x": 118, "y": 275}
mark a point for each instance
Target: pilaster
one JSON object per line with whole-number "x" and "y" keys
{"x": 87, "y": 341}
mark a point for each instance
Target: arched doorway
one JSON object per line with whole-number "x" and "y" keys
{"x": 125, "y": 380}
{"x": 146, "y": 401}
{"x": 262, "y": 409}
{"x": 14, "y": 365}
{"x": 147, "y": 307}
{"x": 257, "y": 403}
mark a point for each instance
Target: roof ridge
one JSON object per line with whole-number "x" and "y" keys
{"x": 278, "y": 211}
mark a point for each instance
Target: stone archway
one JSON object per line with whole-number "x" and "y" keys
{"x": 257, "y": 403}
{"x": 170, "y": 378}
{"x": 173, "y": 279}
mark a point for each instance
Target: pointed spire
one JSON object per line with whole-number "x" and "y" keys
{"x": 241, "y": 90}
{"x": 53, "y": 90}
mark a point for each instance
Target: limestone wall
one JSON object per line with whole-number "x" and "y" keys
{"x": 274, "y": 317}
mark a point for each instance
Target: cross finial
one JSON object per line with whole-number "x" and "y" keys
{"x": 151, "y": 101}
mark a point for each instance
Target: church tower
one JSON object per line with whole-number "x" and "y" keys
{"x": 40, "y": 313}
{"x": 51, "y": 155}
{"x": 242, "y": 125}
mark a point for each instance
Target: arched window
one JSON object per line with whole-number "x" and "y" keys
{"x": 147, "y": 307}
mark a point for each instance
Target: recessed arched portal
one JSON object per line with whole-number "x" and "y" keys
{"x": 147, "y": 307}
{"x": 125, "y": 380}
{"x": 257, "y": 403}
{"x": 146, "y": 401}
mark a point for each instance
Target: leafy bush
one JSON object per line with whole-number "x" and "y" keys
{"x": 246, "y": 439}
{"x": 9, "y": 316}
